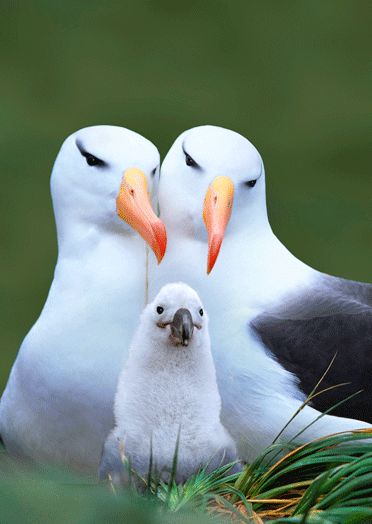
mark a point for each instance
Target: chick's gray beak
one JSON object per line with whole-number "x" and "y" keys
{"x": 182, "y": 327}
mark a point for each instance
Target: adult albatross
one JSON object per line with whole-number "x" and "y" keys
{"x": 276, "y": 323}
{"x": 58, "y": 403}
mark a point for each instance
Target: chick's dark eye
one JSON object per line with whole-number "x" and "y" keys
{"x": 201, "y": 312}
{"x": 251, "y": 183}
{"x": 190, "y": 161}
{"x": 159, "y": 310}
{"x": 154, "y": 171}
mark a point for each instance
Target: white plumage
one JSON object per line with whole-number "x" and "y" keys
{"x": 58, "y": 403}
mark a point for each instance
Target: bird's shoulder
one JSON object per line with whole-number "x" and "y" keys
{"x": 334, "y": 311}
{"x": 310, "y": 327}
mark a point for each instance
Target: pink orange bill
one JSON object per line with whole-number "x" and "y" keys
{"x": 133, "y": 205}
{"x": 216, "y": 214}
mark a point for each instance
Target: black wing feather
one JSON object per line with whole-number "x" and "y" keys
{"x": 306, "y": 331}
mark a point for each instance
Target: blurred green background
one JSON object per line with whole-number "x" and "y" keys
{"x": 293, "y": 76}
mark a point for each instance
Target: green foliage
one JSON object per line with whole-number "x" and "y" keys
{"x": 332, "y": 476}
{"x": 30, "y": 496}
{"x": 198, "y": 491}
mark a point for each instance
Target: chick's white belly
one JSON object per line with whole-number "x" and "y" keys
{"x": 161, "y": 448}
{"x": 154, "y": 411}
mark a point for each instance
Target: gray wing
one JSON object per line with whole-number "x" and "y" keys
{"x": 308, "y": 329}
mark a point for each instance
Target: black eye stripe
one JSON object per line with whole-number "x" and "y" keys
{"x": 251, "y": 183}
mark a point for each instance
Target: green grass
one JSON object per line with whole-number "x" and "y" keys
{"x": 325, "y": 481}
{"x": 330, "y": 478}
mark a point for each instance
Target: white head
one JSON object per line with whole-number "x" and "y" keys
{"x": 209, "y": 174}
{"x": 175, "y": 320}
{"x": 103, "y": 176}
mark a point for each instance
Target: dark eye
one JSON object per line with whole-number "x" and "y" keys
{"x": 190, "y": 161}
{"x": 201, "y": 312}
{"x": 154, "y": 171}
{"x": 93, "y": 160}
{"x": 159, "y": 310}
{"x": 251, "y": 183}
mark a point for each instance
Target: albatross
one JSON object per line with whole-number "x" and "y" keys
{"x": 276, "y": 324}
{"x": 58, "y": 404}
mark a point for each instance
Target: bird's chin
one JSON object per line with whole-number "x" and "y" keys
{"x": 173, "y": 340}
{"x": 176, "y": 342}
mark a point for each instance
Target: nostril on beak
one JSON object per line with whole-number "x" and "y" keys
{"x": 182, "y": 326}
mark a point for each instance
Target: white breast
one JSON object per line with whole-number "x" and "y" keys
{"x": 62, "y": 410}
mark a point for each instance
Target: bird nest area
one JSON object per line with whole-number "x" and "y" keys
{"x": 326, "y": 481}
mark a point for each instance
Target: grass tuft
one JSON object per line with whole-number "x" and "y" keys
{"x": 329, "y": 478}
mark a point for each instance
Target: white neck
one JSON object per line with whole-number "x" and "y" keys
{"x": 252, "y": 263}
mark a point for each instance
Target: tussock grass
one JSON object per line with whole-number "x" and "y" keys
{"x": 329, "y": 478}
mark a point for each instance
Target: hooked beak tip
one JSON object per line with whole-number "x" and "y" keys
{"x": 213, "y": 250}
{"x": 216, "y": 214}
{"x": 160, "y": 240}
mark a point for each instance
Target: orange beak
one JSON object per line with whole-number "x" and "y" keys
{"x": 133, "y": 206}
{"x": 216, "y": 215}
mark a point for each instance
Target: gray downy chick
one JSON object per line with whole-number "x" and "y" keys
{"x": 168, "y": 391}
